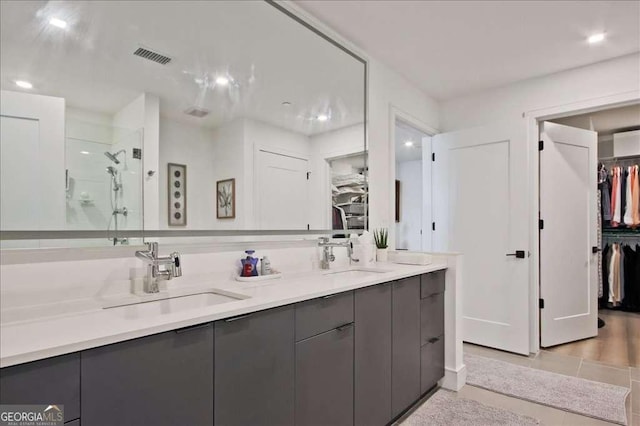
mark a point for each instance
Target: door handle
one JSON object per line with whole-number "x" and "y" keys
{"x": 595, "y": 249}
{"x": 519, "y": 254}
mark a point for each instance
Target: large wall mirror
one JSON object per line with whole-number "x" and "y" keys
{"x": 176, "y": 115}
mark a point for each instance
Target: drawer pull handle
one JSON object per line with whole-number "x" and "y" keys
{"x": 329, "y": 296}
{"x": 193, "y": 327}
{"x": 434, "y": 339}
{"x": 237, "y": 318}
{"x": 344, "y": 327}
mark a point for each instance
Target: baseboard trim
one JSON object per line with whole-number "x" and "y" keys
{"x": 454, "y": 379}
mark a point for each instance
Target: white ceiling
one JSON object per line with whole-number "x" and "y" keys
{"x": 404, "y": 133}
{"x": 271, "y": 57}
{"x": 451, "y": 48}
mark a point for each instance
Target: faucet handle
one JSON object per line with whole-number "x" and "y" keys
{"x": 323, "y": 240}
{"x": 153, "y": 247}
{"x": 176, "y": 268}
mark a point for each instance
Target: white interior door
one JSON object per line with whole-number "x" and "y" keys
{"x": 282, "y": 191}
{"x": 568, "y": 206}
{"x": 480, "y": 209}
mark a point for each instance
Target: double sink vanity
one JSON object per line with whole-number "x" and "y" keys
{"x": 338, "y": 347}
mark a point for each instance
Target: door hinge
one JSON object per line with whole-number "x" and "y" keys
{"x": 308, "y": 174}
{"x": 541, "y": 224}
{"x": 541, "y": 303}
{"x": 433, "y": 156}
{"x": 433, "y": 226}
{"x": 540, "y": 145}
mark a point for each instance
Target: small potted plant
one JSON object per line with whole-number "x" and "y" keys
{"x": 381, "y": 236}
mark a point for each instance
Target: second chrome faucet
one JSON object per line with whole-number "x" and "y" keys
{"x": 327, "y": 252}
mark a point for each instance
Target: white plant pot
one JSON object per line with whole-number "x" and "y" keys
{"x": 382, "y": 255}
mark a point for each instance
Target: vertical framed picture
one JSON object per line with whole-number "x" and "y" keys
{"x": 226, "y": 196}
{"x": 177, "y": 194}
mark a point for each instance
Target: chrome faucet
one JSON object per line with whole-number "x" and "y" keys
{"x": 327, "y": 252}
{"x": 171, "y": 267}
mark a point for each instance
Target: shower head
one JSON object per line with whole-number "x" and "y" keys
{"x": 112, "y": 157}
{"x": 112, "y": 170}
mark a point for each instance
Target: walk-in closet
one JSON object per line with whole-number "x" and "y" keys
{"x": 618, "y": 195}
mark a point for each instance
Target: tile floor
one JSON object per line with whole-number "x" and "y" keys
{"x": 618, "y": 342}
{"x": 564, "y": 364}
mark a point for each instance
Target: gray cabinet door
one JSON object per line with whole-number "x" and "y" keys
{"x": 254, "y": 369}
{"x": 164, "y": 379}
{"x": 49, "y": 381}
{"x": 324, "y": 379}
{"x": 373, "y": 355}
{"x": 405, "y": 370}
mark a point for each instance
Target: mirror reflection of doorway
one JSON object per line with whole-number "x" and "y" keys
{"x": 348, "y": 194}
{"x": 413, "y": 183}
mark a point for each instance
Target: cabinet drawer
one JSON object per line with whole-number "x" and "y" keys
{"x": 431, "y": 363}
{"x": 431, "y": 317}
{"x": 53, "y": 380}
{"x": 326, "y": 313}
{"x": 431, "y": 283}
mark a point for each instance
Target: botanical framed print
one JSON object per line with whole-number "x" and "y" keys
{"x": 226, "y": 208}
{"x": 177, "y": 194}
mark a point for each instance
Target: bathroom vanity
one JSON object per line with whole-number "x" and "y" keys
{"x": 357, "y": 350}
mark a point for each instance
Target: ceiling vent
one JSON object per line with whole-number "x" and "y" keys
{"x": 152, "y": 56}
{"x": 197, "y": 112}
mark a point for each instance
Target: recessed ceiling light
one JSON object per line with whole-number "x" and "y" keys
{"x": 58, "y": 23}
{"x": 408, "y": 143}
{"x": 24, "y": 84}
{"x": 222, "y": 81}
{"x": 85, "y": 152}
{"x": 322, "y": 117}
{"x": 596, "y": 38}
{"x": 286, "y": 103}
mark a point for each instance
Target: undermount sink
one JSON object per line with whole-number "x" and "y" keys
{"x": 355, "y": 272}
{"x": 171, "y": 305}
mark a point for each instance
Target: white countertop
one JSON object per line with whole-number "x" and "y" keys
{"x": 84, "y": 324}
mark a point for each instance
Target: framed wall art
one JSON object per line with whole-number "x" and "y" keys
{"x": 226, "y": 196}
{"x": 177, "y": 194}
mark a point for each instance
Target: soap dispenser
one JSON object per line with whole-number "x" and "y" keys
{"x": 265, "y": 266}
{"x": 249, "y": 265}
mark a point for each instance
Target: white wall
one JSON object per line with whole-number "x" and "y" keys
{"x": 193, "y": 146}
{"x": 594, "y": 81}
{"x": 229, "y": 162}
{"x": 388, "y": 89}
{"x": 408, "y": 235}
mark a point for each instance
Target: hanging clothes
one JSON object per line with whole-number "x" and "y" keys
{"x": 615, "y": 198}
{"x": 604, "y": 184}
{"x": 621, "y": 277}
{"x": 635, "y": 195}
{"x": 627, "y": 217}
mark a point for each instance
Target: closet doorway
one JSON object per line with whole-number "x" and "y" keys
{"x": 613, "y": 282}
{"x": 412, "y": 188}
